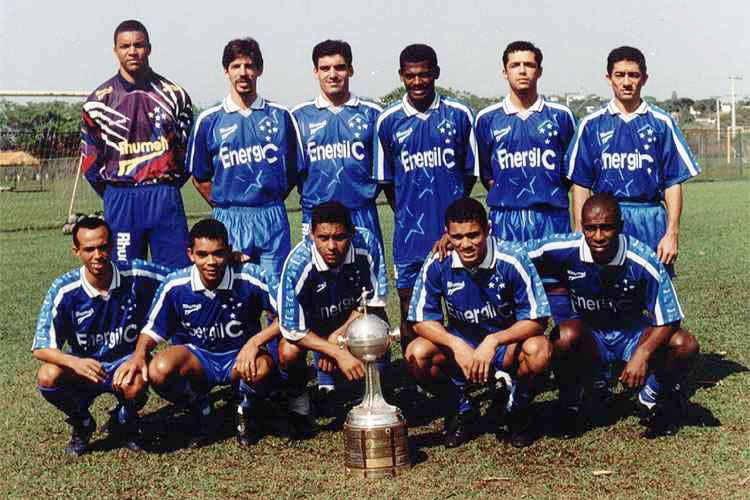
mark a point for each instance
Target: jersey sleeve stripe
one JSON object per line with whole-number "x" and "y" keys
{"x": 472, "y": 137}
{"x": 203, "y": 115}
{"x": 577, "y": 140}
{"x": 419, "y": 309}
{"x": 302, "y": 105}
{"x": 372, "y": 105}
{"x": 684, "y": 155}
{"x": 488, "y": 109}
{"x": 159, "y": 302}
{"x": 534, "y": 310}
{"x": 563, "y": 108}
{"x": 380, "y": 167}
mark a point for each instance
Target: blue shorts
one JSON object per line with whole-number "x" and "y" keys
{"x": 406, "y": 274}
{"x": 150, "y": 215}
{"x": 262, "y": 233}
{"x": 109, "y": 367}
{"x": 457, "y": 375}
{"x": 561, "y": 307}
{"x": 646, "y": 222}
{"x": 523, "y": 224}
{"x": 366, "y": 217}
{"x": 217, "y": 366}
{"x": 617, "y": 345}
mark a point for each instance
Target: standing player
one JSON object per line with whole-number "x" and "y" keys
{"x": 636, "y": 152}
{"x": 133, "y": 134}
{"x": 497, "y": 311}
{"x": 98, "y": 311}
{"x": 425, "y": 158}
{"x": 242, "y": 154}
{"x": 319, "y": 296}
{"x": 337, "y": 130}
{"x": 211, "y": 312}
{"x": 628, "y": 312}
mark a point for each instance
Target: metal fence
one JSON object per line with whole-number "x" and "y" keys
{"x": 721, "y": 153}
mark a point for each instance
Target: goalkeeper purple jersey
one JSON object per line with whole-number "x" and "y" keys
{"x": 134, "y": 134}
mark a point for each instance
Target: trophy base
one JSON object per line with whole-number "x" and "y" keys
{"x": 376, "y": 452}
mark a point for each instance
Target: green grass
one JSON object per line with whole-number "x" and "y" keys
{"x": 709, "y": 457}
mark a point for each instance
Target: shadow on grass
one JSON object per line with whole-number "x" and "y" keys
{"x": 712, "y": 368}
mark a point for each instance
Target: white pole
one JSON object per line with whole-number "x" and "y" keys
{"x": 718, "y": 122}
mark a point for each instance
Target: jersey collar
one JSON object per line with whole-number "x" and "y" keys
{"x": 322, "y": 103}
{"x": 321, "y": 265}
{"x": 510, "y": 109}
{"x": 226, "y": 281}
{"x": 410, "y": 110}
{"x": 617, "y": 260}
{"x": 614, "y": 110}
{"x": 91, "y": 291}
{"x": 230, "y": 106}
{"x": 487, "y": 263}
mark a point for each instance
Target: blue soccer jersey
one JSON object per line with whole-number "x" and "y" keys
{"x": 631, "y": 292}
{"x": 249, "y": 155}
{"x": 186, "y": 312}
{"x": 523, "y": 152}
{"x": 503, "y": 289}
{"x": 635, "y": 157}
{"x": 314, "y": 297}
{"x": 336, "y": 155}
{"x": 427, "y": 157}
{"x": 102, "y": 327}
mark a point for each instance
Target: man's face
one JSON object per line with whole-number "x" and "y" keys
{"x": 469, "y": 241}
{"x": 132, "y": 50}
{"x": 601, "y": 230}
{"x": 211, "y": 258}
{"x": 627, "y": 80}
{"x": 419, "y": 80}
{"x": 243, "y": 74}
{"x": 522, "y": 71}
{"x": 332, "y": 241}
{"x": 95, "y": 250}
{"x": 333, "y": 74}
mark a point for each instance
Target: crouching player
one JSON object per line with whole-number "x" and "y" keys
{"x": 628, "y": 312}
{"x": 211, "y": 311}
{"x": 497, "y": 312}
{"x": 319, "y": 294}
{"x": 98, "y": 311}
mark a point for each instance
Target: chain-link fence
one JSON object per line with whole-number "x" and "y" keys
{"x": 720, "y": 153}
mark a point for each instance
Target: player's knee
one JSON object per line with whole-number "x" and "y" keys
{"x": 135, "y": 389}
{"x": 684, "y": 344}
{"x": 263, "y": 366}
{"x": 159, "y": 370}
{"x": 566, "y": 339}
{"x": 289, "y": 354}
{"x": 49, "y": 375}
{"x": 537, "y": 353}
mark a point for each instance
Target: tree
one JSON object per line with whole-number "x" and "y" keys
{"x": 50, "y": 129}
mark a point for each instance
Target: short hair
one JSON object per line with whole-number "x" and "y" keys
{"x": 466, "y": 210}
{"x": 417, "y": 52}
{"x": 332, "y": 48}
{"x": 130, "y": 25}
{"x": 331, "y": 212}
{"x": 626, "y": 53}
{"x": 210, "y": 229}
{"x": 604, "y": 201}
{"x": 239, "y": 47}
{"x": 522, "y": 46}
{"x": 89, "y": 222}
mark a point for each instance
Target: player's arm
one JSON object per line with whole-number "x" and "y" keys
{"x": 579, "y": 195}
{"x": 86, "y": 368}
{"x": 204, "y": 188}
{"x": 91, "y": 152}
{"x": 668, "y": 248}
{"x": 137, "y": 364}
{"x": 435, "y": 332}
{"x": 351, "y": 367}
{"x": 245, "y": 361}
{"x": 635, "y": 371}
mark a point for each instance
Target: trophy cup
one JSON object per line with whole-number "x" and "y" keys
{"x": 375, "y": 432}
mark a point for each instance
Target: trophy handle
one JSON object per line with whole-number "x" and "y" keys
{"x": 342, "y": 341}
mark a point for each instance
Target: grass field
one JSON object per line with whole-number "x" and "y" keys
{"x": 709, "y": 457}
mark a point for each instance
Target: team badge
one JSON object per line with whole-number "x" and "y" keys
{"x": 267, "y": 128}
{"x": 549, "y": 130}
{"x": 447, "y": 129}
{"x": 647, "y": 136}
{"x": 358, "y": 124}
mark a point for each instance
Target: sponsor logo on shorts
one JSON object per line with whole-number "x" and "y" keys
{"x": 122, "y": 244}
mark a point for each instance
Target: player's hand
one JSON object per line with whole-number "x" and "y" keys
{"x": 127, "y": 371}
{"x": 482, "y": 361}
{"x": 89, "y": 369}
{"x": 668, "y": 248}
{"x": 442, "y": 247}
{"x": 326, "y": 364}
{"x": 634, "y": 373}
{"x": 351, "y": 367}
{"x": 245, "y": 362}
{"x": 464, "y": 356}
{"x": 239, "y": 257}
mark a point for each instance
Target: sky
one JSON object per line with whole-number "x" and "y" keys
{"x": 691, "y": 47}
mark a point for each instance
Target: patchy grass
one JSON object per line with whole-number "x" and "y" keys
{"x": 709, "y": 457}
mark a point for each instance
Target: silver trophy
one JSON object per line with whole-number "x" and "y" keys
{"x": 375, "y": 432}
